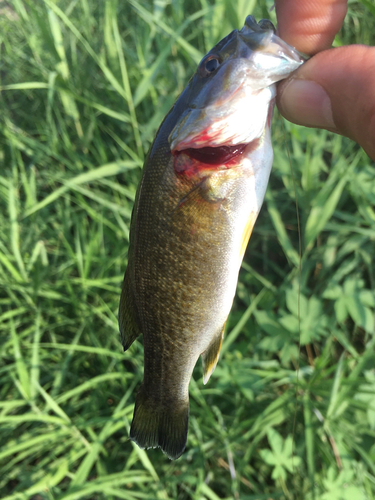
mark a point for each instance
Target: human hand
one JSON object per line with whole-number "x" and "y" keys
{"x": 335, "y": 89}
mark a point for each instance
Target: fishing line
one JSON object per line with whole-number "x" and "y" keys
{"x": 299, "y": 286}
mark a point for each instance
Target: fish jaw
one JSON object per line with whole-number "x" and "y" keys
{"x": 232, "y": 103}
{"x": 241, "y": 123}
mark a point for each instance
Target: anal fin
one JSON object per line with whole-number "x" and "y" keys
{"x": 210, "y": 357}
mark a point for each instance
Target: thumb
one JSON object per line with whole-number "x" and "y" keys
{"x": 334, "y": 90}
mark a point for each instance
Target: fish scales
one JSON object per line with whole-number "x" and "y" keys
{"x": 202, "y": 187}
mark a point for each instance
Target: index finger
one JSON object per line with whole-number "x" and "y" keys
{"x": 310, "y": 25}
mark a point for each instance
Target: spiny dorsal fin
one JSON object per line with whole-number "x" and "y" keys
{"x": 210, "y": 357}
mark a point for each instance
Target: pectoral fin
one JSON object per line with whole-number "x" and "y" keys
{"x": 210, "y": 357}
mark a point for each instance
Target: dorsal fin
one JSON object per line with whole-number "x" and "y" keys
{"x": 128, "y": 316}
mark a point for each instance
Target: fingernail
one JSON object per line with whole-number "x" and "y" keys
{"x": 307, "y": 103}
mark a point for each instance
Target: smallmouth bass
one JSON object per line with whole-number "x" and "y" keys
{"x": 203, "y": 185}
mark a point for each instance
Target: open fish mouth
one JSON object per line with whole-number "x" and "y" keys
{"x": 220, "y": 155}
{"x": 200, "y": 161}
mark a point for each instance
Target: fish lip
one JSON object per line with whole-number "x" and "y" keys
{"x": 291, "y": 53}
{"x": 268, "y": 42}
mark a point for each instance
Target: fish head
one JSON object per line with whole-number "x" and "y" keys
{"x": 230, "y": 97}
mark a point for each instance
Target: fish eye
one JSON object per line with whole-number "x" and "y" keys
{"x": 210, "y": 65}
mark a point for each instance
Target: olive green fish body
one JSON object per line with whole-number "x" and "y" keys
{"x": 194, "y": 212}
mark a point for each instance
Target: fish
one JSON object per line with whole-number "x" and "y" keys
{"x": 203, "y": 184}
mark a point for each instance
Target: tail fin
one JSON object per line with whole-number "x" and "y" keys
{"x": 160, "y": 424}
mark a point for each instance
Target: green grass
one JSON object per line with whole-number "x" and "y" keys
{"x": 84, "y": 86}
